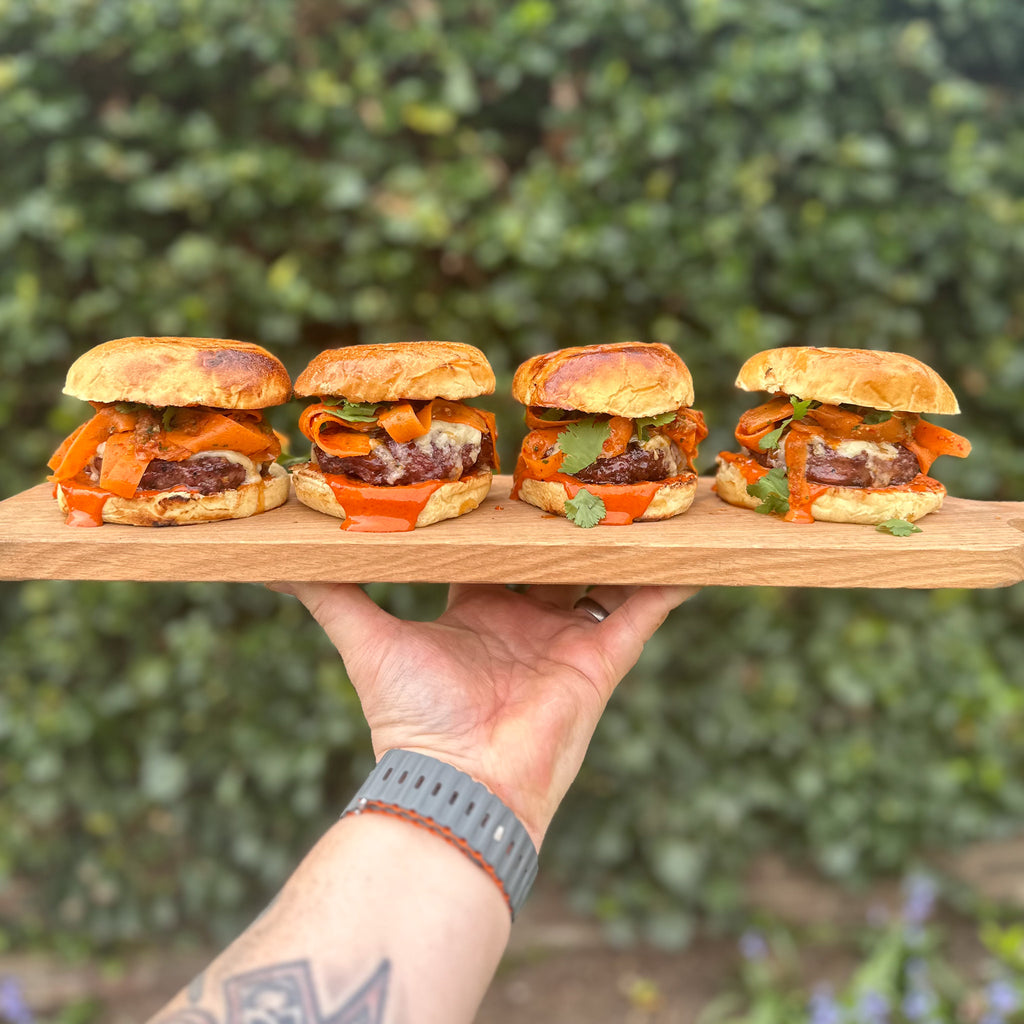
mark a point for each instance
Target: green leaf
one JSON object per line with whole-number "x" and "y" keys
{"x": 877, "y": 416}
{"x": 800, "y": 409}
{"x": 582, "y": 443}
{"x": 552, "y": 414}
{"x": 772, "y": 438}
{"x": 801, "y": 406}
{"x": 773, "y": 490}
{"x": 645, "y": 423}
{"x": 585, "y": 509}
{"x": 898, "y": 527}
{"x": 354, "y": 412}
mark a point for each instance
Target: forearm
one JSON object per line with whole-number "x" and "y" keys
{"x": 383, "y": 921}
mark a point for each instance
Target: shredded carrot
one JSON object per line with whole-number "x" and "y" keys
{"x": 403, "y": 423}
{"x": 135, "y": 437}
{"x": 620, "y": 430}
{"x": 687, "y": 430}
{"x": 123, "y": 465}
{"x": 321, "y": 424}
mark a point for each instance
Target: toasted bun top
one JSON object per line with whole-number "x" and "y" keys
{"x": 400, "y": 370}
{"x": 890, "y": 381}
{"x": 180, "y": 371}
{"x": 627, "y": 378}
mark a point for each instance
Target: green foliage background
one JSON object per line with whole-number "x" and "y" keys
{"x": 720, "y": 175}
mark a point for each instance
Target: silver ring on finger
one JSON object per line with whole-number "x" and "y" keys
{"x": 592, "y": 608}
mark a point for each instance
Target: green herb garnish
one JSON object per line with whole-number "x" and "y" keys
{"x": 877, "y": 416}
{"x": 898, "y": 527}
{"x": 586, "y": 509}
{"x": 553, "y": 414}
{"x": 773, "y": 490}
{"x": 582, "y": 443}
{"x": 354, "y": 412}
{"x": 646, "y": 422}
{"x": 800, "y": 410}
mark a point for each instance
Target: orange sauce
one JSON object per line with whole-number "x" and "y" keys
{"x": 370, "y": 509}
{"x": 623, "y": 503}
{"x": 85, "y": 500}
{"x": 85, "y": 503}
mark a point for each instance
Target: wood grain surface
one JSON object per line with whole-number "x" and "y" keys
{"x": 965, "y": 544}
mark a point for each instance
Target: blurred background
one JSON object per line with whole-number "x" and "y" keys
{"x": 719, "y": 175}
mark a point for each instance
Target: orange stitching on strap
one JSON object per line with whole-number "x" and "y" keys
{"x": 446, "y": 833}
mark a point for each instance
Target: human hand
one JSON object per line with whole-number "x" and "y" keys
{"x": 506, "y": 686}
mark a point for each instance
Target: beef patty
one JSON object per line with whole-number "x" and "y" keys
{"x": 868, "y": 468}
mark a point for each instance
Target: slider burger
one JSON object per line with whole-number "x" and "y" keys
{"x": 612, "y": 435}
{"x": 393, "y": 444}
{"x": 842, "y": 440}
{"x": 178, "y": 435}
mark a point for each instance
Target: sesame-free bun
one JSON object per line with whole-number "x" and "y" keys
{"x": 453, "y": 498}
{"x": 397, "y": 371}
{"x": 627, "y": 378}
{"x": 181, "y": 508}
{"x": 890, "y": 381}
{"x": 669, "y": 500}
{"x": 217, "y": 372}
{"x": 840, "y": 504}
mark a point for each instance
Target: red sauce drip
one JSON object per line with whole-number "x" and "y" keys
{"x": 370, "y": 509}
{"x": 85, "y": 503}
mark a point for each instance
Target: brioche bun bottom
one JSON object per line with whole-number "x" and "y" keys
{"x": 182, "y": 508}
{"x": 669, "y": 500}
{"x": 453, "y": 498}
{"x": 839, "y": 504}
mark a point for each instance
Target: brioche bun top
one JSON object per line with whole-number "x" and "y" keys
{"x": 626, "y": 378}
{"x": 399, "y": 370}
{"x": 890, "y": 381}
{"x": 217, "y": 372}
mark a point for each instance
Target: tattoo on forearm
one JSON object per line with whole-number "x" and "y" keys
{"x": 285, "y": 994}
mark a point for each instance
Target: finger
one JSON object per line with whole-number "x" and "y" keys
{"x": 634, "y": 621}
{"x": 346, "y": 612}
{"x": 610, "y": 597}
{"x": 562, "y": 596}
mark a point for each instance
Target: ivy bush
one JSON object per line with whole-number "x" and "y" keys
{"x": 719, "y": 175}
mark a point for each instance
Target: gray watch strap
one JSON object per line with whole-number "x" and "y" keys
{"x": 464, "y": 812}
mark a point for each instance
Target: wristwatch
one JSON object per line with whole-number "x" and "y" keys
{"x": 437, "y": 796}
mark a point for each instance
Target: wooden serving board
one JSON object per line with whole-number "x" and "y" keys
{"x": 965, "y": 544}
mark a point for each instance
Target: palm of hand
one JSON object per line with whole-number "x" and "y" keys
{"x": 506, "y": 686}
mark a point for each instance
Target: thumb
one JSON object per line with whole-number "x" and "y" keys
{"x": 347, "y": 614}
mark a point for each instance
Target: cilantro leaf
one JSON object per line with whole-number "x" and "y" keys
{"x": 898, "y": 527}
{"x": 773, "y": 490}
{"x": 582, "y": 443}
{"x": 646, "y": 422}
{"x": 354, "y": 412}
{"x": 552, "y": 414}
{"x": 877, "y": 417}
{"x": 801, "y": 406}
{"x": 585, "y": 510}
{"x": 772, "y": 438}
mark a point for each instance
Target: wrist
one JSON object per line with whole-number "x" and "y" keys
{"x": 524, "y": 792}
{"x": 434, "y": 795}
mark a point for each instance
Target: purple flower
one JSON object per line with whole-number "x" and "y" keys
{"x": 918, "y": 1004}
{"x": 873, "y": 1008}
{"x": 13, "y": 1007}
{"x": 823, "y": 1007}
{"x": 919, "y": 893}
{"x": 753, "y": 946}
{"x": 1002, "y": 997}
